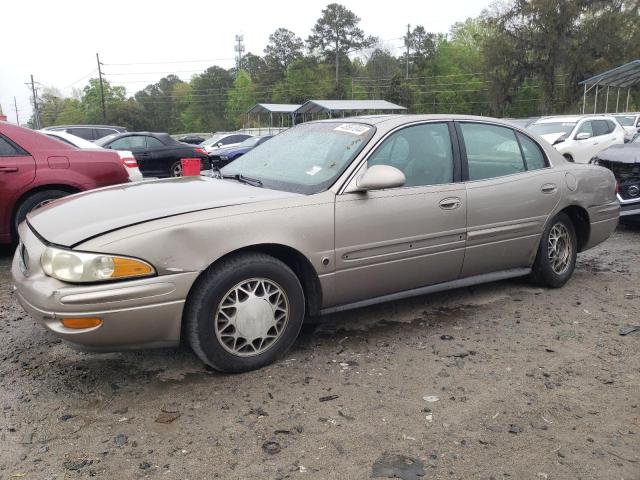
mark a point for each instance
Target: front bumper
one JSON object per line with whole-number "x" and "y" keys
{"x": 628, "y": 210}
{"x": 135, "y": 314}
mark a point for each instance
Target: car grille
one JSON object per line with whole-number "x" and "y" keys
{"x": 628, "y": 177}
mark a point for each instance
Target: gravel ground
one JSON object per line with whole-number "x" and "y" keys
{"x": 499, "y": 381}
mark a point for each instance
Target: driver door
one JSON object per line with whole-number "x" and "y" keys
{"x": 403, "y": 238}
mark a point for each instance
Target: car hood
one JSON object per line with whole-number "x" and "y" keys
{"x": 74, "y": 219}
{"x": 627, "y": 153}
{"x": 552, "y": 137}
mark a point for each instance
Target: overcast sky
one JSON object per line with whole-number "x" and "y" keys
{"x": 57, "y": 41}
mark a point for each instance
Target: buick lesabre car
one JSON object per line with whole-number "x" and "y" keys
{"x": 325, "y": 217}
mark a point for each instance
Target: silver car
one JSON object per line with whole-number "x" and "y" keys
{"x": 325, "y": 217}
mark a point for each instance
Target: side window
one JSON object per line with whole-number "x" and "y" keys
{"x": 7, "y": 149}
{"x": 612, "y": 126}
{"x": 586, "y": 127}
{"x": 242, "y": 138}
{"x": 600, "y": 127}
{"x": 533, "y": 155}
{"x": 86, "y": 133}
{"x": 422, "y": 152}
{"x": 153, "y": 142}
{"x": 103, "y": 132}
{"x": 228, "y": 140}
{"x": 492, "y": 151}
{"x": 128, "y": 143}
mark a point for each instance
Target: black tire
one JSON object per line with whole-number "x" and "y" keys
{"x": 210, "y": 291}
{"x": 543, "y": 273}
{"x": 174, "y": 167}
{"x": 33, "y": 201}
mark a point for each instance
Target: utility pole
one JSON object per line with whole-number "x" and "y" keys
{"x": 15, "y": 106}
{"x": 36, "y": 112}
{"x": 104, "y": 108}
{"x": 239, "y": 48}
{"x": 407, "y": 43}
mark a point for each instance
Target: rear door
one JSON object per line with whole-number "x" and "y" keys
{"x": 403, "y": 238}
{"x": 510, "y": 193}
{"x": 17, "y": 171}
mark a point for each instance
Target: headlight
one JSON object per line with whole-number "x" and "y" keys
{"x": 81, "y": 267}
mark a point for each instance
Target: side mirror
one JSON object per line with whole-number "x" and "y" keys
{"x": 583, "y": 136}
{"x": 379, "y": 177}
{"x": 219, "y": 144}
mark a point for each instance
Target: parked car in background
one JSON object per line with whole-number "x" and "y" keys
{"x": 36, "y": 169}
{"x": 88, "y": 132}
{"x": 223, "y": 140}
{"x": 624, "y": 162}
{"x": 225, "y": 156}
{"x": 579, "y": 137}
{"x": 324, "y": 217}
{"x": 631, "y": 124}
{"x": 128, "y": 160}
{"x": 522, "y": 122}
{"x": 191, "y": 139}
{"x": 157, "y": 154}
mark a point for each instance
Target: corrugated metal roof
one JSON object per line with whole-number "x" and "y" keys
{"x": 319, "y": 106}
{"x": 623, "y": 76}
{"x": 273, "y": 108}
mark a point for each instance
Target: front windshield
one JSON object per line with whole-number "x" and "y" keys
{"x": 304, "y": 159}
{"x": 547, "y": 128}
{"x": 626, "y": 120}
{"x": 211, "y": 141}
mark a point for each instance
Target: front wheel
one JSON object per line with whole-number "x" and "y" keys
{"x": 34, "y": 201}
{"x": 244, "y": 313}
{"x": 557, "y": 253}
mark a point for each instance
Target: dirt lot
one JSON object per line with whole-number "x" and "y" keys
{"x": 500, "y": 381}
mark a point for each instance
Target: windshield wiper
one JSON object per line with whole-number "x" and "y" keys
{"x": 241, "y": 178}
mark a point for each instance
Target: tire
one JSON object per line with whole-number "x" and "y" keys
{"x": 176, "y": 169}
{"x": 212, "y": 320}
{"x": 551, "y": 269}
{"x": 34, "y": 201}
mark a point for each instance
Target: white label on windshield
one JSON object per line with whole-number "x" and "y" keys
{"x": 353, "y": 128}
{"x": 313, "y": 170}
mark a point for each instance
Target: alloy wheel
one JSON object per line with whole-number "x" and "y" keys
{"x": 559, "y": 248}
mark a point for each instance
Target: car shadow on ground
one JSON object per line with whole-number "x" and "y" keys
{"x": 72, "y": 372}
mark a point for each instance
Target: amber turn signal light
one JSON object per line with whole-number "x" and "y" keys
{"x": 79, "y": 323}
{"x": 127, "y": 267}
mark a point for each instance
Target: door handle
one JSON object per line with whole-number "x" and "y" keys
{"x": 8, "y": 169}
{"x": 549, "y": 188}
{"x": 450, "y": 203}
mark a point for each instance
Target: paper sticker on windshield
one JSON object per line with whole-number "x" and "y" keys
{"x": 313, "y": 170}
{"x": 354, "y": 128}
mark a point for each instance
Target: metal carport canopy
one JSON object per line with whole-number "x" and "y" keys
{"x": 623, "y": 76}
{"x": 273, "y": 108}
{"x": 328, "y": 106}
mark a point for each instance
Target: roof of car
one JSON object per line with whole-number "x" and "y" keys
{"x": 393, "y": 120}
{"x": 571, "y": 118}
{"x": 88, "y": 126}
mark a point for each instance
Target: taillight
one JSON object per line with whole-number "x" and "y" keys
{"x": 129, "y": 162}
{"x": 200, "y": 151}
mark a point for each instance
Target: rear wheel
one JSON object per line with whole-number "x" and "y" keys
{"x": 557, "y": 253}
{"x": 176, "y": 169}
{"x": 34, "y": 201}
{"x": 244, "y": 313}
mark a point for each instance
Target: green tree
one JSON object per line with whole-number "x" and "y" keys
{"x": 241, "y": 97}
{"x": 283, "y": 48}
{"x": 336, "y": 34}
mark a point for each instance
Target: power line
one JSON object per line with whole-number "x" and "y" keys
{"x": 169, "y": 62}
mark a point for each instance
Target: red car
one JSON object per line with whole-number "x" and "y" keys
{"x": 36, "y": 169}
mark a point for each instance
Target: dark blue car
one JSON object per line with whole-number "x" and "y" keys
{"x": 224, "y": 156}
